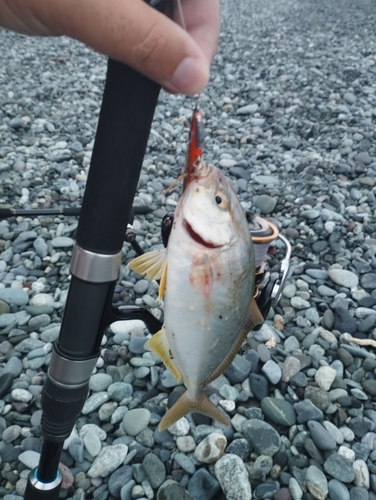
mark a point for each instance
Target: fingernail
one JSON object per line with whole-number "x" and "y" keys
{"x": 190, "y": 77}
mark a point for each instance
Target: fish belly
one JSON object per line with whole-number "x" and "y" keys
{"x": 202, "y": 320}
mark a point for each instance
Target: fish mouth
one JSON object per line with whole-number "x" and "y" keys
{"x": 196, "y": 237}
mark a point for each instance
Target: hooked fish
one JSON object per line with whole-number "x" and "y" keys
{"x": 207, "y": 278}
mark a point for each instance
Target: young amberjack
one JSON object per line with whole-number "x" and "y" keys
{"x": 207, "y": 279}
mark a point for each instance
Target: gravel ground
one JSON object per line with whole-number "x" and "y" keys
{"x": 290, "y": 117}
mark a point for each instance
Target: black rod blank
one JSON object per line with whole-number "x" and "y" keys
{"x": 117, "y": 158}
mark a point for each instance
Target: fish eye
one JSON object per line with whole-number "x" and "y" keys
{"x": 221, "y": 200}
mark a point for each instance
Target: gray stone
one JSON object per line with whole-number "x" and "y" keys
{"x": 306, "y": 411}
{"x": 136, "y": 421}
{"x": 325, "y": 377}
{"x": 291, "y": 344}
{"x": 333, "y": 431}
{"x": 13, "y": 366}
{"x": 317, "y": 483}
{"x": 7, "y": 319}
{"x": 362, "y": 476}
{"x": 22, "y": 395}
{"x": 92, "y": 443}
{"x": 29, "y": 458}
{"x": 100, "y": 382}
{"x": 40, "y": 247}
{"x": 262, "y": 437}
{"x": 38, "y": 322}
{"x": 321, "y": 437}
{"x": 250, "y": 109}
{"x": 62, "y": 242}
{"x": 357, "y": 493}
{"x": 141, "y": 286}
{"x": 94, "y": 401}
{"x": 291, "y": 367}
{"x": 118, "y": 478}
{"x": 136, "y": 345}
{"x": 367, "y": 281}
{"x": 343, "y": 277}
{"x": 228, "y": 392}
{"x": 76, "y": 449}
{"x": 203, "y": 486}
{"x": 171, "y": 490}
{"x": 119, "y": 391}
{"x": 295, "y": 489}
{"x": 185, "y": 463}
{"x": 126, "y": 490}
{"x": 279, "y": 411}
{"x": 265, "y": 203}
{"x": 272, "y": 371}
{"x": 11, "y": 433}
{"x": 337, "y": 490}
{"x": 339, "y": 468}
{"x": 239, "y": 370}
{"x": 15, "y": 296}
{"x": 50, "y": 334}
{"x": 154, "y": 470}
{"x": 232, "y": 475}
{"x": 108, "y": 460}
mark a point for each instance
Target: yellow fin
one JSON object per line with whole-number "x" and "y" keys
{"x": 159, "y": 344}
{"x": 150, "y": 264}
{"x": 184, "y": 405}
{"x": 252, "y": 318}
{"x": 162, "y": 283}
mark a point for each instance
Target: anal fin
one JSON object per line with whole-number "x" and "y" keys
{"x": 159, "y": 344}
{"x": 252, "y": 318}
{"x": 184, "y": 405}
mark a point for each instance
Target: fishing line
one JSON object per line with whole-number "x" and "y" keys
{"x": 176, "y": 181}
{"x": 181, "y": 14}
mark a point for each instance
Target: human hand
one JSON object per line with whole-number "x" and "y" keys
{"x": 131, "y": 32}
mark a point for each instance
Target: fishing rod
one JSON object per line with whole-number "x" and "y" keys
{"x": 5, "y": 213}
{"x": 130, "y": 234}
{"x": 121, "y": 138}
{"x": 120, "y": 143}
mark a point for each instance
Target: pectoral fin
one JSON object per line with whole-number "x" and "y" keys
{"x": 159, "y": 344}
{"x": 184, "y": 405}
{"x": 252, "y": 318}
{"x": 154, "y": 266}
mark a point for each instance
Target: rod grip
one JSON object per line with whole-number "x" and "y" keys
{"x": 37, "y": 490}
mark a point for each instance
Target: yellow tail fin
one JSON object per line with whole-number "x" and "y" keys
{"x": 184, "y": 405}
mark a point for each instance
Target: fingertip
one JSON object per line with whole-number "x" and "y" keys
{"x": 190, "y": 77}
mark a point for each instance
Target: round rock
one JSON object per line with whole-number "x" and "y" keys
{"x": 210, "y": 449}
{"x": 136, "y": 420}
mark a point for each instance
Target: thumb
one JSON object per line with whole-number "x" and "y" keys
{"x": 132, "y": 32}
